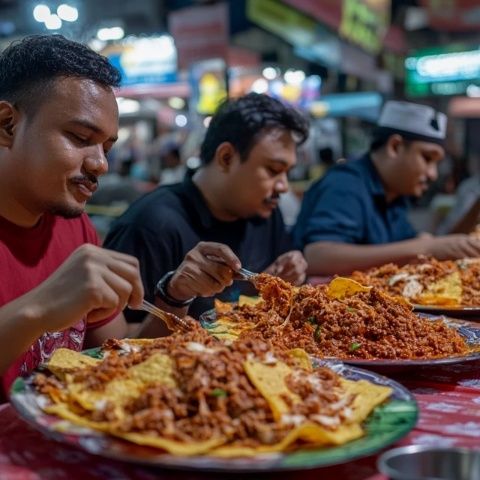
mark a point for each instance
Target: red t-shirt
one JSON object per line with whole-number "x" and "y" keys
{"x": 27, "y": 257}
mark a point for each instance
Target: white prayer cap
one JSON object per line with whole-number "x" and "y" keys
{"x": 413, "y": 121}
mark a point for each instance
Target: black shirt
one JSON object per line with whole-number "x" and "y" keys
{"x": 162, "y": 226}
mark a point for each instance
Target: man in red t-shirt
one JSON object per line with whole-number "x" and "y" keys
{"x": 58, "y": 288}
{"x": 28, "y": 256}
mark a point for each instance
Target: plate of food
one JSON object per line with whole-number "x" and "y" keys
{"x": 454, "y": 311}
{"x": 193, "y": 402}
{"x": 344, "y": 320}
{"x": 450, "y": 287}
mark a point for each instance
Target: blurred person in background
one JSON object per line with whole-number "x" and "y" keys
{"x": 249, "y": 147}
{"x": 172, "y": 169}
{"x": 289, "y": 205}
{"x": 355, "y": 217}
{"x": 115, "y": 193}
{"x": 117, "y": 188}
{"x": 58, "y": 120}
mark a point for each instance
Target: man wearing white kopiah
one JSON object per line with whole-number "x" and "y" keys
{"x": 355, "y": 217}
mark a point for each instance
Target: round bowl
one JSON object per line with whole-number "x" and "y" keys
{"x": 420, "y": 462}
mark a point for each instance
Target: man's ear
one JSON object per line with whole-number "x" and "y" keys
{"x": 8, "y": 120}
{"x": 224, "y": 156}
{"x": 394, "y": 144}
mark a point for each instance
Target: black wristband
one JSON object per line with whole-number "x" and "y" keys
{"x": 162, "y": 293}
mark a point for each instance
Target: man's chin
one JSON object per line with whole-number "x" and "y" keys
{"x": 420, "y": 191}
{"x": 415, "y": 191}
{"x": 66, "y": 211}
{"x": 265, "y": 212}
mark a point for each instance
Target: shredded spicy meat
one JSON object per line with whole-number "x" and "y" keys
{"x": 277, "y": 294}
{"x": 216, "y": 398}
{"x": 213, "y": 396}
{"x": 366, "y": 325}
{"x": 427, "y": 271}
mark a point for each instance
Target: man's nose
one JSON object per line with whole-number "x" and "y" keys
{"x": 432, "y": 172}
{"x": 281, "y": 184}
{"x": 96, "y": 162}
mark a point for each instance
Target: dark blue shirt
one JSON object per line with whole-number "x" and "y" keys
{"x": 349, "y": 205}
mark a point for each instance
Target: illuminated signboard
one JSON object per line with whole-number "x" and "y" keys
{"x": 145, "y": 60}
{"x": 365, "y": 105}
{"x": 442, "y": 72}
{"x": 365, "y": 23}
{"x": 310, "y": 39}
{"x": 208, "y": 81}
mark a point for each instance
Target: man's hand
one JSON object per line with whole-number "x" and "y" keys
{"x": 206, "y": 270}
{"x": 291, "y": 266}
{"x": 93, "y": 283}
{"x": 451, "y": 247}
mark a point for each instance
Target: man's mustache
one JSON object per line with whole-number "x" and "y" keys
{"x": 88, "y": 179}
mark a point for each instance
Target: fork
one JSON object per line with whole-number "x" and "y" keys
{"x": 172, "y": 321}
{"x": 242, "y": 273}
{"x": 245, "y": 274}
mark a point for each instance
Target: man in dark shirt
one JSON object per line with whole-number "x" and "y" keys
{"x": 231, "y": 201}
{"x": 356, "y": 216}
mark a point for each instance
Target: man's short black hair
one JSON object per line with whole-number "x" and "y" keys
{"x": 30, "y": 66}
{"x": 242, "y": 121}
{"x": 378, "y": 142}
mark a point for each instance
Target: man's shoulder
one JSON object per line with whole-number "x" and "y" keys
{"x": 344, "y": 176}
{"x": 164, "y": 200}
{"x": 159, "y": 210}
{"x": 164, "y": 195}
{"x": 356, "y": 167}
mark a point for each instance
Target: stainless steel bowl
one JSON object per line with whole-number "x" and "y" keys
{"x": 417, "y": 462}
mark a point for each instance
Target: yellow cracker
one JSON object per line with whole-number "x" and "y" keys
{"x": 158, "y": 368}
{"x": 245, "y": 300}
{"x": 171, "y": 446}
{"x": 314, "y": 434}
{"x": 270, "y": 382}
{"x": 341, "y": 287}
{"x": 302, "y": 358}
{"x": 367, "y": 397}
{"x": 446, "y": 291}
{"x": 65, "y": 361}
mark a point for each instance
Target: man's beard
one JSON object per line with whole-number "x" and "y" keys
{"x": 65, "y": 211}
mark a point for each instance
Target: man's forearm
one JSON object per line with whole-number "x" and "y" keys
{"x": 19, "y": 328}
{"x": 329, "y": 258}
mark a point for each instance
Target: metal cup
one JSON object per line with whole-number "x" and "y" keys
{"x": 420, "y": 462}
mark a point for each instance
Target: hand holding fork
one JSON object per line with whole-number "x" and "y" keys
{"x": 172, "y": 321}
